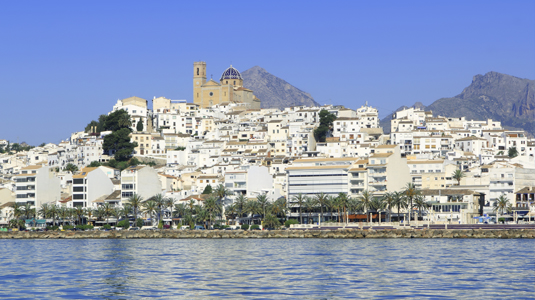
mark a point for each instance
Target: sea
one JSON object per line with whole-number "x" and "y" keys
{"x": 268, "y": 269}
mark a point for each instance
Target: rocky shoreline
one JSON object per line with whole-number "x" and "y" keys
{"x": 239, "y": 234}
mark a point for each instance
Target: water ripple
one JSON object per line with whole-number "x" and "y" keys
{"x": 267, "y": 269}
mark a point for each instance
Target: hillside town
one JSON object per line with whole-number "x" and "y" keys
{"x": 242, "y": 164}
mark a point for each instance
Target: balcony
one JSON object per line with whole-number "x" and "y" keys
{"x": 383, "y": 182}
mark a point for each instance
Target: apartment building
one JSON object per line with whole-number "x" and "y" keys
{"x": 89, "y": 185}
{"x": 140, "y": 180}
{"x": 36, "y": 185}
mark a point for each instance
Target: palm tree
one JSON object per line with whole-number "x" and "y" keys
{"x": 411, "y": 192}
{"x": 53, "y": 212}
{"x": 365, "y": 200}
{"x": 252, "y": 207}
{"x": 458, "y": 175}
{"x": 262, "y": 200}
{"x": 79, "y": 212}
{"x": 107, "y": 210}
{"x": 116, "y": 212}
{"x": 421, "y": 204}
{"x": 343, "y": 201}
{"x": 159, "y": 200}
{"x": 240, "y": 201}
{"x": 300, "y": 200}
{"x": 89, "y": 212}
{"x": 99, "y": 213}
{"x": 279, "y": 207}
{"x": 231, "y": 211}
{"x": 271, "y": 221}
{"x": 170, "y": 203}
{"x": 150, "y": 207}
{"x": 125, "y": 211}
{"x": 221, "y": 192}
{"x": 18, "y": 212}
{"x": 321, "y": 200}
{"x": 212, "y": 207}
{"x": 331, "y": 205}
{"x": 201, "y": 215}
{"x": 191, "y": 205}
{"x": 135, "y": 202}
{"x": 124, "y": 121}
{"x": 44, "y": 211}
{"x": 71, "y": 168}
{"x": 64, "y": 213}
{"x": 310, "y": 204}
{"x": 378, "y": 204}
{"x": 353, "y": 205}
{"x": 388, "y": 200}
{"x": 399, "y": 201}
{"x": 512, "y": 152}
{"x": 28, "y": 210}
{"x": 180, "y": 210}
{"x": 501, "y": 204}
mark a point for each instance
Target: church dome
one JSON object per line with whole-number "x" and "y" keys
{"x": 231, "y": 73}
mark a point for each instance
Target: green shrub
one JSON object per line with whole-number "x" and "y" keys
{"x": 124, "y": 223}
{"x": 54, "y": 228}
{"x": 67, "y": 227}
{"x": 139, "y": 222}
{"x": 290, "y": 222}
{"x": 245, "y": 226}
{"x": 501, "y": 220}
{"x": 106, "y": 226}
{"x": 84, "y": 227}
{"x": 160, "y": 225}
{"x": 255, "y": 226}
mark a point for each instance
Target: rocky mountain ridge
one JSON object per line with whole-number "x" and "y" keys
{"x": 497, "y": 96}
{"x": 273, "y": 91}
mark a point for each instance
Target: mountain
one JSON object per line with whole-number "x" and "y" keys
{"x": 501, "y": 97}
{"x": 274, "y": 92}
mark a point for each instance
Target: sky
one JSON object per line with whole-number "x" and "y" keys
{"x": 64, "y": 63}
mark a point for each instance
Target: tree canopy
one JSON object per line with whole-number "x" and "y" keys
{"x": 326, "y": 122}
{"x": 119, "y": 141}
{"x": 512, "y": 152}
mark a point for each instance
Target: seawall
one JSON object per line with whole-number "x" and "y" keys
{"x": 239, "y": 234}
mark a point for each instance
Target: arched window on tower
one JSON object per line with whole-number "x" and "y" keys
{"x": 234, "y": 82}
{"x": 197, "y": 71}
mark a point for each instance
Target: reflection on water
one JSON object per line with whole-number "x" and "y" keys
{"x": 285, "y": 268}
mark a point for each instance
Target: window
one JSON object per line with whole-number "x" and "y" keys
{"x": 127, "y": 194}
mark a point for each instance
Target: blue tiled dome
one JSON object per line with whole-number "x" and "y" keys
{"x": 231, "y": 73}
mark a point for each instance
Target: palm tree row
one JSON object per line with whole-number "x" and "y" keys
{"x": 269, "y": 212}
{"x": 342, "y": 205}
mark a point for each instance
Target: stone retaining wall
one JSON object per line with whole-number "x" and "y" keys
{"x": 225, "y": 234}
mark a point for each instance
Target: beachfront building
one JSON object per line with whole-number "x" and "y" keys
{"x": 37, "y": 184}
{"x": 451, "y": 205}
{"x": 140, "y": 180}
{"x": 89, "y": 185}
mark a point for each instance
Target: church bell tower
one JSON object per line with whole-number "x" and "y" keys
{"x": 199, "y": 78}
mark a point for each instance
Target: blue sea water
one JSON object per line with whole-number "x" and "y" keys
{"x": 267, "y": 269}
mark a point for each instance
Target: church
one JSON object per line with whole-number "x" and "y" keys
{"x": 228, "y": 90}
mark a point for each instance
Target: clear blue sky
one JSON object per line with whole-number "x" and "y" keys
{"x": 63, "y": 63}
